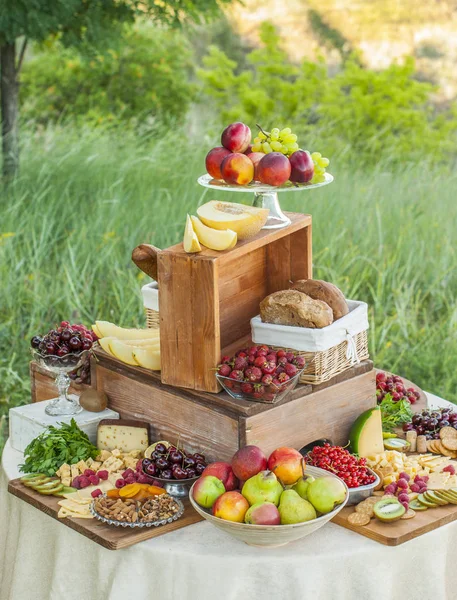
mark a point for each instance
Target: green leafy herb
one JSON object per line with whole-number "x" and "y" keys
{"x": 55, "y": 446}
{"x": 394, "y": 413}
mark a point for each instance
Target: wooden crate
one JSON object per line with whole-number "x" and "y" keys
{"x": 43, "y": 387}
{"x": 207, "y": 299}
{"x": 218, "y": 425}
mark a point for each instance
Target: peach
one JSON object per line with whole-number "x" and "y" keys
{"x": 207, "y": 490}
{"x": 248, "y": 461}
{"x": 302, "y": 166}
{"x": 274, "y": 169}
{"x": 236, "y": 137}
{"x": 224, "y": 472}
{"x": 286, "y": 464}
{"x": 214, "y": 159}
{"x": 237, "y": 168}
{"x": 263, "y": 513}
{"x": 256, "y": 157}
{"x": 231, "y": 506}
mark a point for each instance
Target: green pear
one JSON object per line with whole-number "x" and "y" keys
{"x": 325, "y": 493}
{"x": 263, "y": 487}
{"x": 301, "y": 486}
{"x": 294, "y": 509}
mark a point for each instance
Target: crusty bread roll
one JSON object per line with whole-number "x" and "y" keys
{"x": 290, "y": 307}
{"x": 327, "y": 292}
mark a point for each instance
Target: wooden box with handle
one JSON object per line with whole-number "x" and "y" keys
{"x": 207, "y": 299}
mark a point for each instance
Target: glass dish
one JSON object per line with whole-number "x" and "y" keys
{"x": 61, "y": 366}
{"x": 103, "y": 519}
{"x": 269, "y": 394}
{"x": 363, "y": 492}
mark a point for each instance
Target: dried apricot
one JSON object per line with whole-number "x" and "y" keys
{"x": 129, "y": 490}
{"x": 114, "y": 493}
{"x": 156, "y": 490}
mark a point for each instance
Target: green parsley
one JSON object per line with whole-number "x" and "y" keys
{"x": 394, "y": 414}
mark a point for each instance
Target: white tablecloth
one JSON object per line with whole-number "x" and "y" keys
{"x": 41, "y": 559}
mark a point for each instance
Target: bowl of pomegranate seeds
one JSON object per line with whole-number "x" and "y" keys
{"x": 260, "y": 373}
{"x": 360, "y": 479}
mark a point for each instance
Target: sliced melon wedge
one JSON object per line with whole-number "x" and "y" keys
{"x": 122, "y": 352}
{"x": 148, "y": 358}
{"x": 246, "y": 221}
{"x": 190, "y": 241}
{"x": 214, "y": 238}
{"x": 96, "y": 330}
{"x": 140, "y": 343}
{"x": 104, "y": 343}
{"x": 108, "y": 329}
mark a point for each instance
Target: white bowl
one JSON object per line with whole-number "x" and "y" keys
{"x": 271, "y": 535}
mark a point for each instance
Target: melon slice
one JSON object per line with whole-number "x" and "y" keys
{"x": 190, "y": 242}
{"x": 122, "y": 352}
{"x": 108, "y": 329}
{"x": 148, "y": 358}
{"x": 96, "y": 331}
{"x": 214, "y": 238}
{"x": 246, "y": 221}
{"x": 152, "y": 343}
{"x": 366, "y": 433}
{"x": 104, "y": 343}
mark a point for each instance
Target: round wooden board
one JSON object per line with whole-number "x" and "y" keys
{"x": 417, "y": 407}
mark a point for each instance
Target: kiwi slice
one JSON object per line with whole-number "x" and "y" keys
{"x": 49, "y": 491}
{"x": 37, "y": 481}
{"x": 446, "y": 496}
{"x": 65, "y": 490}
{"x": 388, "y": 510}
{"x": 432, "y": 497}
{"x": 396, "y": 444}
{"x": 417, "y": 506}
{"x": 31, "y": 476}
{"x": 423, "y": 500}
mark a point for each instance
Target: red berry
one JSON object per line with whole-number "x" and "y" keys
{"x": 260, "y": 361}
{"x": 253, "y": 374}
{"x": 280, "y": 353}
{"x": 299, "y": 362}
{"x": 120, "y": 483}
{"x": 267, "y": 379}
{"x": 449, "y": 469}
{"x": 271, "y": 357}
{"x": 237, "y": 375}
{"x": 240, "y": 363}
{"x": 290, "y": 369}
{"x": 96, "y": 493}
{"x": 103, "y": 474}
{"x": 224, "y": 370}
{"x": 252, "y": 350}
{"x": 89, "y": 473}
{"x": 225, "y": 359}
{"x": 269, "y": 368}
{"x": 290, "y": 356}
{"x": 247, "y": 388}
{"x": 94, "y": 479}
{"x": 283, "y": 377}
{"x": 84, "y": 481}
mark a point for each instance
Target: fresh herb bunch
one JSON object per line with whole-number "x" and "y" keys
{"x": 393, "y": 413}
{"x": 55, "y": 446}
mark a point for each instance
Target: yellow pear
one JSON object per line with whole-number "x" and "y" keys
{"x": 190, "y": 241}
{"x": 246, "y": 221}
{"x": 214, "y": 238}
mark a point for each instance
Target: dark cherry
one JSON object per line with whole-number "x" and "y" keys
{"x": 166, "y": 474}
{"x": 86, "y": 344}
{"x": 175, "y": 457}
{"x": 189, "y": 462}
{"x": 50, "y": 348}
{"x": 199, "y": 457}
{"x": 172, "y": 449}
{"x": 162, "y": 463}
{"x": 75, "y": 343}
{"x": 155, "y": 455}
{"x": 66, "y": 335}
{"x": 191, "y": 473}
{"x": 62, "y": 351}
{"x": 146, "y": 461}
{"x": 179, "y": 473}
{"x": 150, "y": 469}
{"x": 199, "y": 468}
{"x": 160, "y": 449}
{"x": 36, "y": 341}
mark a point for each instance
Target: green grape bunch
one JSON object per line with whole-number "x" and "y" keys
{"x": 277, "y": 140}
{"x": 320, "y": 164}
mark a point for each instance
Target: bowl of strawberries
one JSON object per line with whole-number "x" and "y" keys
{"x": 260, "y": 373}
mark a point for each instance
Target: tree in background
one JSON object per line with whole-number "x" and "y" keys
{"x": 82, "y": 23}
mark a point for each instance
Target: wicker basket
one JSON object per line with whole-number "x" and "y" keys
{"x": 328, "y": 351}
{"x": 150, "y": 294}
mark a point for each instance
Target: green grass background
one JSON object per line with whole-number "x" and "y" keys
{"x": 85, "y": 199}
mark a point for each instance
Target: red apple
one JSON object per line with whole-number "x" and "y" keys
{"x": 248, "y": 461}
{"x": 214, "y": 159}
{"x": 302, "y": 166}
{"x": 263, "y": 513}
{"x": 236, "y": 137}
{"x": 224, "y": 472}
{"x": 231, "y": 506}
{"x": 274, "y": 169}
{"x": 256, "y": 157}
{"x": 237, "y": 169}
{"x": 286, "y": 464}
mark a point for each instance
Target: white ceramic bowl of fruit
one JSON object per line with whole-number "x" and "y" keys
{"x": 292, "y": 506}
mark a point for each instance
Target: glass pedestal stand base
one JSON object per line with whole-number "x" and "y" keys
{"x": 276, "y": 219}
{"x": 64, "y": 404}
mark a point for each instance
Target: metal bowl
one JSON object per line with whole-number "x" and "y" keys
{"x": 178, "y": 488}
{"x": 363, "y": 492}
{"x": 272, "y": 535}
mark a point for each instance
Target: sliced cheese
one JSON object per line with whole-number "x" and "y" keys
{"x": 122, "y": 437}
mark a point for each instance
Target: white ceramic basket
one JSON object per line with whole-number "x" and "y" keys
{"x": 271, "y": 535}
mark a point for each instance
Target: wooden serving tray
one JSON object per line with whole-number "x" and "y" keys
{"x": 108, "y": 536}
{"x": 399, "y": 532}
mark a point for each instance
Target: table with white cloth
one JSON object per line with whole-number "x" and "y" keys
{"x": 41, "y": 559}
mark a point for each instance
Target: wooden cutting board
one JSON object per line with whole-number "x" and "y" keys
{"x": 399, "y": 532}
{"x": 108, "y": 536}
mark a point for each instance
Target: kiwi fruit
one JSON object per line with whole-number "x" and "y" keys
{"x": 396, "y": 444}
{"x": 417, "y": 506}
{"x": 388, "y": 510}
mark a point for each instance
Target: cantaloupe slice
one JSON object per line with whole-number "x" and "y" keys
{"x": 108, "y": 329}
{"x": 213, "y": 238}
{"x": 104, "y": 343}
{"x": 190, "y": 241}
{"x": 246, "y": 221}
{"x": 152, "y": 343}
{"x": 122, "y": 352}
{"x": 148, "y": 358}
{"x": 96, "y": 331}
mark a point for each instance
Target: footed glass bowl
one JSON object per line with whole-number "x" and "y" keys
{"x": 61, "y": 366}
{"x": 241, "y": 390}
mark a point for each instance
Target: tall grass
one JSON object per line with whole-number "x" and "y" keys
{"x": 85, "y": 199}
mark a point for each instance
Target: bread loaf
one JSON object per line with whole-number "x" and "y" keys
{"x": 290, "y": 307}
{"x": 327, "y": 292}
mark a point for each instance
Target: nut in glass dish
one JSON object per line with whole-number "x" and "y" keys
{"x": 258, "y": 392}
{"x": 152, "y": 512}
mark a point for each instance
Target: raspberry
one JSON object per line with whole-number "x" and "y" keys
{"x": 405, "y": 505}
{"x": 76, "y": 483}
{"x": 84, "y": 481}
{"x": 449, "y": 469}
{"x": 414, "y": 487}
{"x": 103, "y": 475}
{"x": 404, "y": 476}
{"x": 88, "y": 473}
{"x": 120, "y": 483}
{"x": 390, "y": 489}
{"x": 127, "y": 473}
{"x": 402, "y": 484}
{"x": 403, "y": 497}
{"x": 96, "y": 493}
{"x": 94, "y": 479}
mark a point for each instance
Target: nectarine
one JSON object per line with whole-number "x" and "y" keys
{"x": 286, "y": 464}
{"x": 248, "y": 461}
{"x": 231, "y": 506}
{"x": 236, "y": 137}
{"x": 274, "y": 169}
{"x": 214, "y": 159}
{"x": 237, "y": 168}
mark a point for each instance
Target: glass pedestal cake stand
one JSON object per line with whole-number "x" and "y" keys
{"x": 265, "y": 196}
